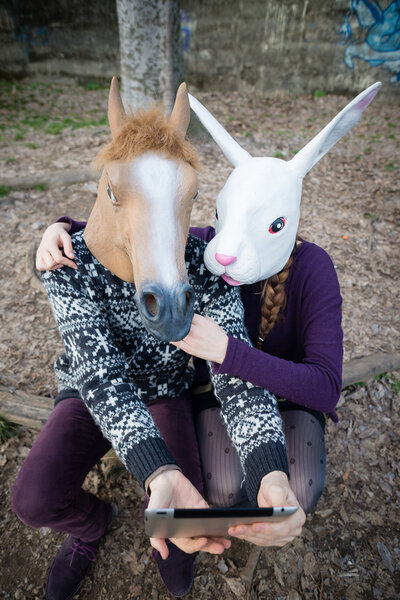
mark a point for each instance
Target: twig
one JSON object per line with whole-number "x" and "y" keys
{"x": 247, "y": 572}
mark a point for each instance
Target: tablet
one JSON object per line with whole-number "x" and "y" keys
{"x": 195, "y": 522}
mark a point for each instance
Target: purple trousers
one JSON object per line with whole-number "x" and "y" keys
{"x": 48, "y": 490}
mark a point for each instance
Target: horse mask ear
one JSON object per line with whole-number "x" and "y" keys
{"x": 180, "y": 116}
{"x": 116, "y": 111}
{"x": 337, "y": 128}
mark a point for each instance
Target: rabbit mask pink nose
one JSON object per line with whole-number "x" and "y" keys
{"x": 225, "y": 259}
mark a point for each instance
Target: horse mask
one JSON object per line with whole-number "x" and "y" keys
{"x": 258, "y": 209}
{"x": 139, "y": 224}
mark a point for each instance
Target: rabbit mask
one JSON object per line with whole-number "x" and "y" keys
{"x": 258, "y": 209}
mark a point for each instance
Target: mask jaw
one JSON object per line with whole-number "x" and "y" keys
{"x": 308, "y": 156}
{"x": 232, "y": 150}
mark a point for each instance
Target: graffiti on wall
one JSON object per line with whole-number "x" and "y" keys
{"x": 188, "y": 26}
{"x": 29, "y": 35}
{"x": 374, "y": 36}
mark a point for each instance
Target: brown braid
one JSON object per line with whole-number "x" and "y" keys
{"x": 273, "y": 299}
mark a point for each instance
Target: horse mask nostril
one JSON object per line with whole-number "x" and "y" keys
{"x": 188, "y": 301}
{"x": 151, "y": 304}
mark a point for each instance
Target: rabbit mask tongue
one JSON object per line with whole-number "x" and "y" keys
{"x": 259, "y": 206}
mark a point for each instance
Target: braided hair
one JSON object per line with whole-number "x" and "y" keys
{"x": 274, "y": 298}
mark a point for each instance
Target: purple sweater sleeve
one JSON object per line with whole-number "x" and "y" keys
{"x": 314, "y": 382}
{"x": 204, "y": 233}
{"x": 74, "y": 226}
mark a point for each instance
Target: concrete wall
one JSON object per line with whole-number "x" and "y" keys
{"x": 65, "y": 37}
{"x": 269, "y": 45}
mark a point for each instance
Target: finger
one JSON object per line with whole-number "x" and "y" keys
{"x": 160, "y": 545}
{"x": 182, "y": 345}
{"x": 67, "y": 244}
{"x": 48, "y": 261}
{"x": 62, "y": 260}
{"x": 214, "y": 547}
{"x": 204, "y": 544}
{"x": 190, "y": 545}
{"x": 277, "y": 530}
{"x": 39, "y": 263}
{"x": 40, "y": 259}
{"x": 177, "y": 344}
{"x": 68, "y": 263}
{"x": 257, "y": 541}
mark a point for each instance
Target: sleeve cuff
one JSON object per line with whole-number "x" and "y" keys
{"x": 145, "y": 458}
{"x": 65, "y": 220}
{"x": 74, "y": 226}
{"x": 231, "y": 357}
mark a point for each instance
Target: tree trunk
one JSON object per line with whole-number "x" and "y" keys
{"x": 150, "y": 51}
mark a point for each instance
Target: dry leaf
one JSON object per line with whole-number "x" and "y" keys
{"x": 236, "y": 586}
{"x": 309, "y": 565}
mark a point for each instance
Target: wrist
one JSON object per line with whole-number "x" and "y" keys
{"x": 224, "y": 348}
{"x": 168, "y": 474}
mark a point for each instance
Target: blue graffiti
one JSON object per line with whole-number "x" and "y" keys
{"x": 381, "y": 43}
{"x": 345, "y": 31}
{"x": 31, "y": 36}
{"x": 186, "y": 30}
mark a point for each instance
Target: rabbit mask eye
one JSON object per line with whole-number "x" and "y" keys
{"x": 277, "y": 225}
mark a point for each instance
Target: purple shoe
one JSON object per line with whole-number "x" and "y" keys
{"x": 71, "y": 565}
{"x": 176, "y": 571}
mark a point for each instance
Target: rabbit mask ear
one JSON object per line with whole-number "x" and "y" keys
{"x": 232, "y": 150}
{"x": 337, "y": 128}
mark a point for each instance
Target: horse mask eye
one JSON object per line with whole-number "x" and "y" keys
{"x": 111, "y": 195}
{"x": 277, "y": 225}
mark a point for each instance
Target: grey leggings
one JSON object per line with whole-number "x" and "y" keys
{"x": 222, "y": 472}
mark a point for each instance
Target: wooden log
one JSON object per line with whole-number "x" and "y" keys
{"x": 33, "y": 411}
{"x": 364, "y": 368}
{"x": 24, "y": 408}
{"x": 58, "y": 178}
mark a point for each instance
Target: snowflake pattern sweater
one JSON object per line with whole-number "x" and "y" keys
{"x": 117, "y": 366}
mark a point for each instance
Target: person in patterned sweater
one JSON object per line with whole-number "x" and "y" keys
{"x": 298, "y": 357}
{"x": 132, "y": 386}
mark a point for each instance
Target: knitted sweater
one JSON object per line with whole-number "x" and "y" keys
{"x": 117, "y": 366}
{"x": 301, "y": 358}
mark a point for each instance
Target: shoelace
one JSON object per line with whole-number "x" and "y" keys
{"x": 79, "y": 547}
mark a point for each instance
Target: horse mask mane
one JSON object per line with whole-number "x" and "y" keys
{"x": 139, "y": 224}
{"x": 258, "y": 209}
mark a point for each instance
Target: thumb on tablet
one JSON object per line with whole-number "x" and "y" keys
{"x": 275, "y": 490}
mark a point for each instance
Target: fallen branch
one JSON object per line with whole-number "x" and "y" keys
{"x": 33, "y": 411}
{"x": 24, "y": 408}
{"x": 247, "y": 572}
{"x": 54, "y": 179}
{"x": 364, "y": 368}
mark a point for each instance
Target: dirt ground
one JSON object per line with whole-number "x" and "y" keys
{"x": 350, "y": 547}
